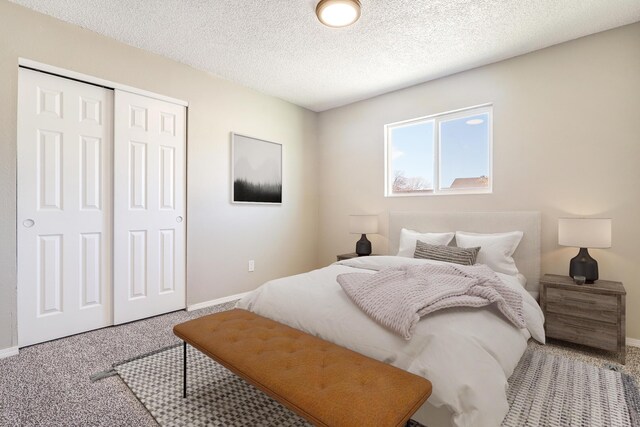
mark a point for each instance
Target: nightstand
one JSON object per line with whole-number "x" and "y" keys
{"x": 349, "y": 256}
{"x": 589, "y": 314}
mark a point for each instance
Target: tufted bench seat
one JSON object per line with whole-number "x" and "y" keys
{"x": 324, "y": 383}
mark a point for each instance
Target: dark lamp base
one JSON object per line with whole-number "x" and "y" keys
{"x": 363, "y": 246}
{"x": 583, "y": 265}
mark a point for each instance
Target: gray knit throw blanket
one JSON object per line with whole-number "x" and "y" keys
{"x": 398, "y": 297}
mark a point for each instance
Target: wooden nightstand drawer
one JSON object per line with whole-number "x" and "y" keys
{"x": 582, "y": 331}
{"x": 592, "y": 314}
{"x": 588, "y": 306}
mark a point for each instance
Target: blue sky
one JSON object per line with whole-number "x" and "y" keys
{"x": 464, "y": 149}
{"x": 412, "y": 150}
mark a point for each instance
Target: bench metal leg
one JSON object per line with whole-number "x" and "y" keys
{"x": 184, "y": 369}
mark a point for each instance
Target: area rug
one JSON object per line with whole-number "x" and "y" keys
{"x": 555, "y": 391}
{"x": 215, "y": 396}
{"x": 545, "y": 390}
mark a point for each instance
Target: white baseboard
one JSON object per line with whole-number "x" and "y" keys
{"x": 8, "y": 352}
{"x": 633, "y": 342}
{"x": 206, "y": 304}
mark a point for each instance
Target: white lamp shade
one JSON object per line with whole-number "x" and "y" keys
{"x": 363, "y": 224}
{"x": 584, "y": 232}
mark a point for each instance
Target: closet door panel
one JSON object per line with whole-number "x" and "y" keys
{"x": 64, "y": 207}
{"x": 149, "y": 207}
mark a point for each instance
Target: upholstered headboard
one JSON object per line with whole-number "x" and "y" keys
{"x": 527, "y": 256}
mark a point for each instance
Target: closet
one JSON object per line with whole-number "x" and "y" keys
{"x": 101, "y": 206}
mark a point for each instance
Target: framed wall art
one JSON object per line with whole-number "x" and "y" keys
{"x": 256, "y": 170}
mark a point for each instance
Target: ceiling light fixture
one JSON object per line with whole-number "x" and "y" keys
{"x": 338, "y": 13}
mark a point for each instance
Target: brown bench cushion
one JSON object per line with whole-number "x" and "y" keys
{"x": 327, "y": 384}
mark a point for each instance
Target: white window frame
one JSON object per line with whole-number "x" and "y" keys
{"x": 437, "y": 119}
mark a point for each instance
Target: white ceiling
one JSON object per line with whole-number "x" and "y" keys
{"x": 278, "y": 46}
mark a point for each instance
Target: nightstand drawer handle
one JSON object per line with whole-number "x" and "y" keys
{"x": 581, "y": 301}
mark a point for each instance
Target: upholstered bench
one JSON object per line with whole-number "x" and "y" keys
{"x": 324, "y": 383}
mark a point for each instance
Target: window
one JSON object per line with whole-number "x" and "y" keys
{"x": 447, "y": 153}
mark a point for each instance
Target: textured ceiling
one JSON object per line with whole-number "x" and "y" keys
{"x": 278, "y": 46}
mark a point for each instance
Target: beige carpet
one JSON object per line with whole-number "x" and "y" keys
{"x": 48, "y": 384}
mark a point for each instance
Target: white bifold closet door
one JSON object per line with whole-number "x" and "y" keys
{"x": 149, "y": 207}
{"x": 64, "y": 207}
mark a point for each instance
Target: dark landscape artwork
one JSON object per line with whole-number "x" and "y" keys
{"x": 257, "y": 170}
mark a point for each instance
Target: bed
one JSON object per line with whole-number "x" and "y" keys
{"x": 467, "y": 353}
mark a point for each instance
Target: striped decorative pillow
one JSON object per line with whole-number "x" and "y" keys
{"x": 464, "y": 256}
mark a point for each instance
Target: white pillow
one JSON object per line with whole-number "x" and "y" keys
{"x": 495, "y": 249}
{"x": 409, "y": 238}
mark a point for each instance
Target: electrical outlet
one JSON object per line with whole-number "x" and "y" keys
{"x": 252, "y": 265}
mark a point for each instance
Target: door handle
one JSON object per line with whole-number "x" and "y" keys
{"x": 179, "y": 219}
{"x": 28, "y": 223}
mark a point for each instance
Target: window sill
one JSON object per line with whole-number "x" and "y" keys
{"x": 441, "y": 193}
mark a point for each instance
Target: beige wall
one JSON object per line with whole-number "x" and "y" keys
{"x": 566, "y": 126}
{"x": 221, "y": 237}
{"x": 566, "y": 142}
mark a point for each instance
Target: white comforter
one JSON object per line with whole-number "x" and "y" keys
{"x": 466, "y": 353}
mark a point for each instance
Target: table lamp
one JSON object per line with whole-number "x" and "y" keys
{"x": 363, "y": 224}
{"x": 584, "y": 233}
